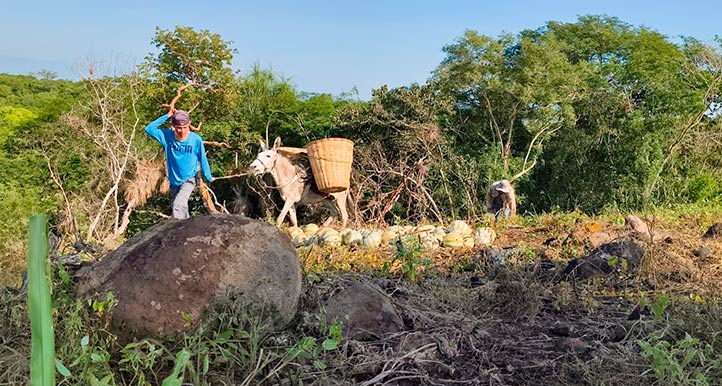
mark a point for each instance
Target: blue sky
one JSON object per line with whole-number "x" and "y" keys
{"x": 321, "y": 46}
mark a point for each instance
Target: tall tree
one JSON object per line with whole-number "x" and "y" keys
{"x": 645, "y": 96}
{"x": 189, "y": 57}
{"x": 512, "y": 94}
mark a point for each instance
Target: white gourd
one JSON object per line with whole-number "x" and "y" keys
{"x": 371, "y": 238}
{"x": 484, "y": 236}
{"x": 460, "y": 227}
{"x": 439, "y": 233}
{"x": 328, "y": 236}
{"x": 294, "y": 231}
{"x": 453, "y": 240}
{"x": 352, "y": 237}
{"x": 389, "y": 236}
{"x": 310, "y": 229}
{"x": 469, "y": 241}
{"x": 299, "y": 240}
{"x": 424, "y": 230}
{"x": 430, "y": 242}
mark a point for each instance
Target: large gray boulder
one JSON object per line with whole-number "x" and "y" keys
{"x": 166, "y": 278}
{"x": 609, "y": 258}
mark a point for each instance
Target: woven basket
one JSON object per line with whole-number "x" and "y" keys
{"x": 331, "y": 160}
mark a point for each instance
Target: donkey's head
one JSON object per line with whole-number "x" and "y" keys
{"x": 266, "y": 159}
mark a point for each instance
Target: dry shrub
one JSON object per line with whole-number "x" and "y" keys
{"x": 147, "y": 178}
{"x": 386, "y": 177}
{"x": 517, "y": 294}
{"x": 14, "y": 365}
{"x": 673, "y": 267}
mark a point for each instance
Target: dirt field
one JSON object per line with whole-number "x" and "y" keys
{"x": 508, "y": 315}
{"x": 472, "y": 319}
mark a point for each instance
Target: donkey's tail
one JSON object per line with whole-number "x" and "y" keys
{"x": 351, "y": 207}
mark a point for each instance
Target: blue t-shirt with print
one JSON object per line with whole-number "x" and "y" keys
{"x": 181, "y": 157}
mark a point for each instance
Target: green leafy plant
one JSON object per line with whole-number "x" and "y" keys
{"x": 83, "y": 344}
{"x": 612, "y": 262}
{"x": 42, "y": 358}
{"x": 684, "y": 362}
{"x": 309, "y": 349}
{"x": 182, "y": 360}
{"x": 100, "y": 307}
{"x": 658, "y": 308}
{"x": 139, "y": 359}
{"x": 409, "y": 252}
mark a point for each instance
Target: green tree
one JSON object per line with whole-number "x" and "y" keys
{"x": 512, "y": 94}
{"x": 189, "y": 57}
{"x": 646, "y": 100}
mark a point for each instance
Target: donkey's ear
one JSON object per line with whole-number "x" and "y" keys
{"x": 277, "y": 143}
{"x": 264, "y": 147}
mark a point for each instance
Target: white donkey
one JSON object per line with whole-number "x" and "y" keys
{"x": 294, "y": 188}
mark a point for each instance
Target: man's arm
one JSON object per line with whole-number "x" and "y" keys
{"x": 153, "y": 129}
{"x": 511, "y": 198}
{"x": 204, "y": 161}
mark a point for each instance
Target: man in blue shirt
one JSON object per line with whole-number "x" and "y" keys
{"x": 183, "y": 151}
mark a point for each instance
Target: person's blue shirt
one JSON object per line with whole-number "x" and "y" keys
{"x": 181, "y": 157}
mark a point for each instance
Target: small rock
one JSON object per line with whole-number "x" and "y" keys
{"x": 560, "y": 329}
{"x": 574, "y": 345}
{"x": 476, "y": 281}
{"x": 636, "y": 224}
{"x": 598, "y": 238}
{"x": 639, "y": 313}
{"x": 617, "y": 333}
{"x": 642, "y": 230}
{"x": 702, "y": 252}
{"x": 498, "y": 256}
{"x": 365, "y": 311}
{"x": 714, "y": 231}
{"x": 599, "y": 261}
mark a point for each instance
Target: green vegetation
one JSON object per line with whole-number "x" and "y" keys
{"x": 590, "y": 119}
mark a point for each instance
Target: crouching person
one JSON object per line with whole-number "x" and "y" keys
{"x": 501, "y": 200}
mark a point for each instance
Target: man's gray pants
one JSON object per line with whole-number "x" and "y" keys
{"x": 180, "y": 196}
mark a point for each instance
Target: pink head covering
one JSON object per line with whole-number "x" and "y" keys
{"x": 180, "y": 118}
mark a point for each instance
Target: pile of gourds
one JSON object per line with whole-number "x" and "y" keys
{"x": 458, "y": 235}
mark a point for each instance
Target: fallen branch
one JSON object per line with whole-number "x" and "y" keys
{"x": 214, "y": 143}
{"x": 208, "y": 198}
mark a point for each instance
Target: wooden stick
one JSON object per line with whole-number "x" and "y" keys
{"x": 178, "y": 94}
{"x": 231, "y": 176}
{"x": 217, "y": 144}
{"x": 207, "y": 198}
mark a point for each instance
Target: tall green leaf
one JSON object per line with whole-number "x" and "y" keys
{"x": 42, "y": 358}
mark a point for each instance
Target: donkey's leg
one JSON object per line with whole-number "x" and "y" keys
{"x": 292, "y": 215}
{"x": 286, "y": 207}
{"x": 329, "y": 203}
{"x": 341, "y": 204}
